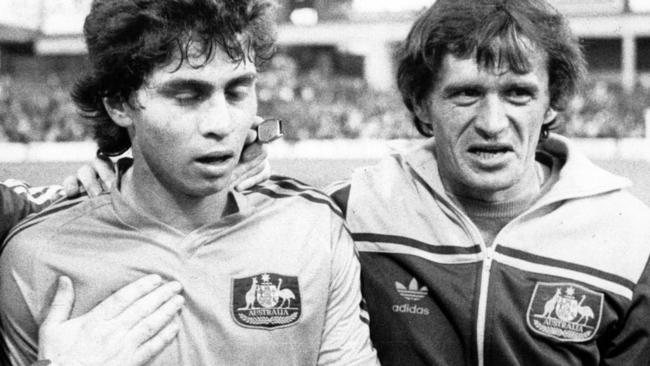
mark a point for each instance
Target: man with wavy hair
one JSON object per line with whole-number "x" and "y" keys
{"x": 269, "y": 276}
{"x": 497, "y": 242}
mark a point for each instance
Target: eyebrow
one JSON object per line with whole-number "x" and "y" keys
{"x": 460, "y": 86}
{"x": 182, "y": 84}
{"x": 456, "y": 87}
{"x": 532, "y": 87}
{"x": 246, "y": 79}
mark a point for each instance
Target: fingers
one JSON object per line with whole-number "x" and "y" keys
{"x": 253, "y": 153}
{"x": 163, "y": 297}
{"x": 155, "y": 344}
{"x": 251, "y": 163}
{"x": 71, "y": 187}
{"x": 88, "y": 178}
{"x": 62, "y": 302}
{"x": 252, "y": 133}
{"x": 251, "y": 137}
{"x": 105, "y": 170}
{"x": 95, "y": 178}
{"x": 153, "y": 323}
{"x": 260, "y": 174}
{"x": 258, "y": 121}
{"x": 127, "y": 295}
{"x": 253, "y": 167}
{"x": 244, "y": 171}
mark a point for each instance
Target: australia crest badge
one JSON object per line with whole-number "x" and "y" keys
{"x": 566, "y": 312}
{"x": 266, "y": 301}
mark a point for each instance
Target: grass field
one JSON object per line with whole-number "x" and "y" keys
{"x": 316, "y": 172}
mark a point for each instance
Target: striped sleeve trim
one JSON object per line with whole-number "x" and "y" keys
{"x": 283, "y": 178}
{"x": 363, "y": 307}
{"x": 416, "y": 244}
{"x": 283, "y": 187}
{"x": 45, "y": 195}
{"x": 534, "y": 263}
{"x": 391, "y": 244}
{"x": 36, "y": 195}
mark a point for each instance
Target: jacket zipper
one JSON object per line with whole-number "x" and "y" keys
{"x": 488, "y": 256}
{"x": 482, "y": 304}
{"x": 485, "y": 281}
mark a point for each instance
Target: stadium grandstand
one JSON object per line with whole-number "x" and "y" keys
{"x": 333, "y": 75}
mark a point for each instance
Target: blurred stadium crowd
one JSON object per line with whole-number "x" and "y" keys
{"x": 316, "y": 104}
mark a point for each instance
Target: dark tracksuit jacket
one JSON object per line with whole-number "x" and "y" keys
{"x": 565, "y": 283}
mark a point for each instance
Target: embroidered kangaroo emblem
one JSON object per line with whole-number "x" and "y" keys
{"x": 257, "y": 302}
{"x": 555, "y": 311}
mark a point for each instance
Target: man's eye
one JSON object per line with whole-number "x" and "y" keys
{"x": 187, "y": 97}
{"x": 237, "y": 94}
{"x": 519, "y": 96}
{"x": 466, "y": 96}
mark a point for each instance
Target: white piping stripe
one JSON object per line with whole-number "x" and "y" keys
{"x": 365, "y": 246}
{"x": 482, "y": 305}
{"x": 566, "y": 273}
{"x": 309, "y": 192}
{"x": 49, "y": 194}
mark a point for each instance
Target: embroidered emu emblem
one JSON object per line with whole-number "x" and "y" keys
{"x": 266, "y": 301}
{"x": 566, "y": 312}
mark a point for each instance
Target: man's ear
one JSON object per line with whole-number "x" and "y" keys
{"x": 550, "y": 115}
{"x": 421, "y": 111}
{"x": 118, "y": 110}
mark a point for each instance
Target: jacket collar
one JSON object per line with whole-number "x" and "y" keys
{"x": 138, "y": 218}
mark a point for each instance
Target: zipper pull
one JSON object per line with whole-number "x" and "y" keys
{"x": 489, "y": 256}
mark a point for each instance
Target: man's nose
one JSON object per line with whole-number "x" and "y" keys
{"x": 492, "y": 118}
{"x": 216, "y": 120}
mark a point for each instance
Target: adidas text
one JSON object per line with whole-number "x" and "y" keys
{"x": 411, "y": 309}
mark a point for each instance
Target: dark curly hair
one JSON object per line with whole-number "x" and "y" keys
{"x": 127, "y": 39}
{"x": 499, "y": 32}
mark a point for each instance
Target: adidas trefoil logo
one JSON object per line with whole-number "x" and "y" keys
{"x": 413, "y": 292}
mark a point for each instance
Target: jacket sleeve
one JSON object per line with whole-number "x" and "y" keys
{"x": 346, "y": 336}
{"x": 19, "y": 200}
{"x": 631, "y": 345}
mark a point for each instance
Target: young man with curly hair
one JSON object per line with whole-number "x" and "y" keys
{"x": 269, "y": 276}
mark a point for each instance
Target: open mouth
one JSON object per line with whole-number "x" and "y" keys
{"x": 489, "y": 151}
{"x": 214, "y": 158}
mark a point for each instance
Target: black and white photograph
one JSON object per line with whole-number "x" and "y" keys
{"x": 325, "y": 182}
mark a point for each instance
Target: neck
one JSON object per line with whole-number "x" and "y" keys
{"x": 527, "y": 188}
{"x": 180, "y": 211}
{"x": 490, "y": 213}
{"x": 491, "y": 217}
